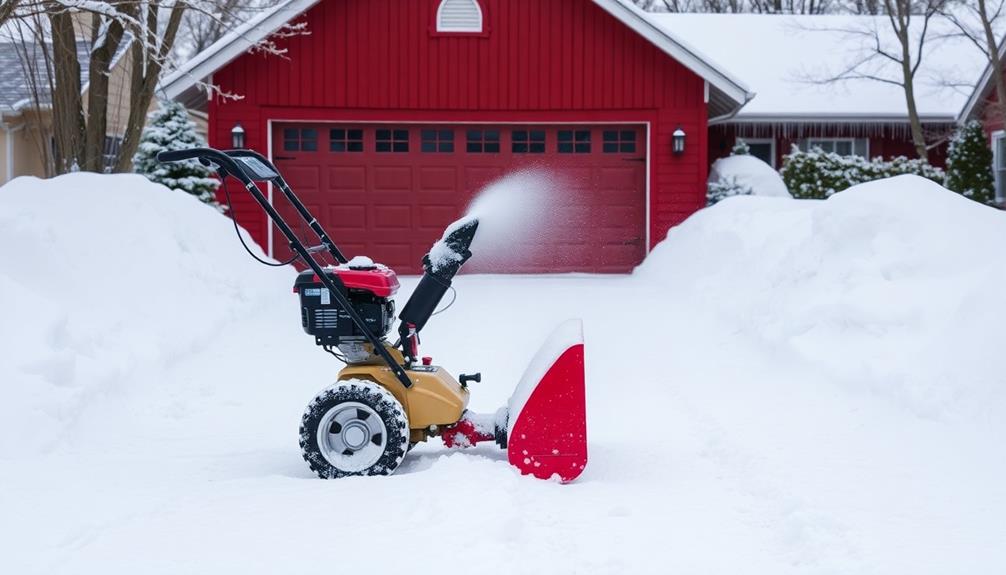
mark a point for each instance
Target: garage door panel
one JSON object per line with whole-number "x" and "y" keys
{"x": 396, "y": 178}
{"x": 393, "y": 218}
{"x": 422, "y": 198}
{"x": 437, "y": 217}
{"x": 393, "y": 206}
{"x": 624, "y": 177}
{"x": 302, "y": 177}
{"x": 443, "y": 178}
{"x": 395, "y": 255}
{"x": 576, "y": 178}
{"x": 352, "y": 178}
{"x": 618, "y": 217}
{"x": 478, "y": 177}
{"x": 352, "y": 248}
{"x": 347, "y": 218}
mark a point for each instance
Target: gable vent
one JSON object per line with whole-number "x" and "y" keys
{"x": 459, "y": 16}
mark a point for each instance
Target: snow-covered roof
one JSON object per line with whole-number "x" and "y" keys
{"x": 981, "y": 91}
{"x": 728, "y": 93}
{"x": 780, "y": 57}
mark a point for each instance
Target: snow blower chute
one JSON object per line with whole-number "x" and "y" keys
{"x": 388, "y": 397}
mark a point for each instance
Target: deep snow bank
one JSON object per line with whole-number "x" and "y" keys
{"x": 103, "y": 281}
{"x": 751, "y": 173}
{"x": 799, "y": 384}
{"x": 893, "y": 286}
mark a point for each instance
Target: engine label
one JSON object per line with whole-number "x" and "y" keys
{"x": 323, "y": 293}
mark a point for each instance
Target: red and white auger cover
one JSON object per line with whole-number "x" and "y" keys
{"x": 547, "y": 426}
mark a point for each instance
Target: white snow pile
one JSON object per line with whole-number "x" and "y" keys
{"x": 800, "y": 387}
{"x": 104, "y": 281}
{"x": 889, "y": 287}
{"x": 749, "y": 174}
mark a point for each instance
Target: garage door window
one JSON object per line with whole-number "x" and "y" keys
{"x": 300, "y": 140}
{"x": 392, "y": 141}
{"x": 529, "y": 141}
{"x": 574, "y": 141}
{"x": 343, "y": 140}
{"x": 619, "y": 142}
{"x": 483, "y": 141}
{"x": 438, "y": 141}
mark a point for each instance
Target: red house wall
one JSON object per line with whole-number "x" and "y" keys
{"x": 890, "y": 145}
{"x": 539, "y": 61}
{"x": 991, "y": 118}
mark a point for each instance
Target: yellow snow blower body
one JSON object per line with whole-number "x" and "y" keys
{"x": 435, "y": 400}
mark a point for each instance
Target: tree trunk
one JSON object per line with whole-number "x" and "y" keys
{"x": 97, "y": 92}
{"x": 918, "y": 136}
{"x": 146, "y": 71}
{"x": 900, "y": 15}
{"x": 7, "y": 8}
{"x": 67, "y": 115}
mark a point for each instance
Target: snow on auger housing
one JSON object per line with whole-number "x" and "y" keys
{"x": 388, "y": 398}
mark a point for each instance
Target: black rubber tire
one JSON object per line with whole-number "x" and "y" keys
{"x": 381, "y": 401}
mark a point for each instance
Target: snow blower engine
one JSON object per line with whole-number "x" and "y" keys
{"x": 388, "y": 398}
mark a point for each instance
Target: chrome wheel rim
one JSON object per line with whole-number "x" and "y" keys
{"x": 352, "y": 436}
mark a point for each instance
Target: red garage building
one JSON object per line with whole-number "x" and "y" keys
{"x": 389, "y": 115}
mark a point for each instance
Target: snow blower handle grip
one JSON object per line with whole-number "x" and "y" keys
{"x": 205, "y": 155}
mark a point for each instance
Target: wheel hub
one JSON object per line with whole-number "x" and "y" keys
{"x": 355, "y": 435}
{"x": 352, "y": 436}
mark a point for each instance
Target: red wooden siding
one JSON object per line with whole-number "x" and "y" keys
{"x": 895, "y": 143}
{"x": 548, "y": 61}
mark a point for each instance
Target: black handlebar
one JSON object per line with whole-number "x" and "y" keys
{"x": 227, "y": 165}
{"x": 180, "y": 155}
{"x": 222, "y": 159}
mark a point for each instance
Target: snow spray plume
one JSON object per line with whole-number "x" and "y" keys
{"x": 515, "y": 215}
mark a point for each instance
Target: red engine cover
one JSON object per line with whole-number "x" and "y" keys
{"x": 381, "y": 281}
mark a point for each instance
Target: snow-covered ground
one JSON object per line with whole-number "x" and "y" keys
{"x": 783, "y": 387}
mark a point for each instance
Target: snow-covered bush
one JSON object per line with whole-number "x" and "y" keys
{"x": 725, "y": 188}
{"x": 740, "y": 148}
{"x": 817, "y": 174}
{"x": 969, "y": 164}
{"x": 743, "y": 175}
{"x": 171, "y": 129}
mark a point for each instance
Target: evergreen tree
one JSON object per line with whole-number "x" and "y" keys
{"x": 969, "y": 164}
{"x": 740, "y": 148}
{"x": 171, "y": 129}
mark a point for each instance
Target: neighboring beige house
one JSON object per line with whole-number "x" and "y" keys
{"x": 25, "y": 136}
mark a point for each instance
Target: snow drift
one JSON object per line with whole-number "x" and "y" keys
{"x": 888, "y": 285}
{"x": 104, "y": 280}
{"x": 748, "y": 172}
{"x": 782, "y": 387}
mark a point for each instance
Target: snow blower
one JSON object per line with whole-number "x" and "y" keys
{"x": 388, "y": 398}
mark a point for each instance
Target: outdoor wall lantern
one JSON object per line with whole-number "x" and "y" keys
{"x": 237, "y": 137}
{"x": 678, "y": 142}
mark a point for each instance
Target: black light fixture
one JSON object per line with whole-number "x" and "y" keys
{"x": 678, "y": 141}
{"x": 237, "y": 137}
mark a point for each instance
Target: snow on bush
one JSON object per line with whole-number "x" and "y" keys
{"x": 817, "y": 174}
{"x": 741, "y": 148}
{"x": 103, "y": 280}
{"x": 743, "y": 175}
{"x": 969, "y": 164}
{"x": 170, "y": 129}
{"x": 890, "y": 286}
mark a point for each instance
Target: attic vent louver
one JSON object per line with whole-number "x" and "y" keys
{"x": 459, "y": 16}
